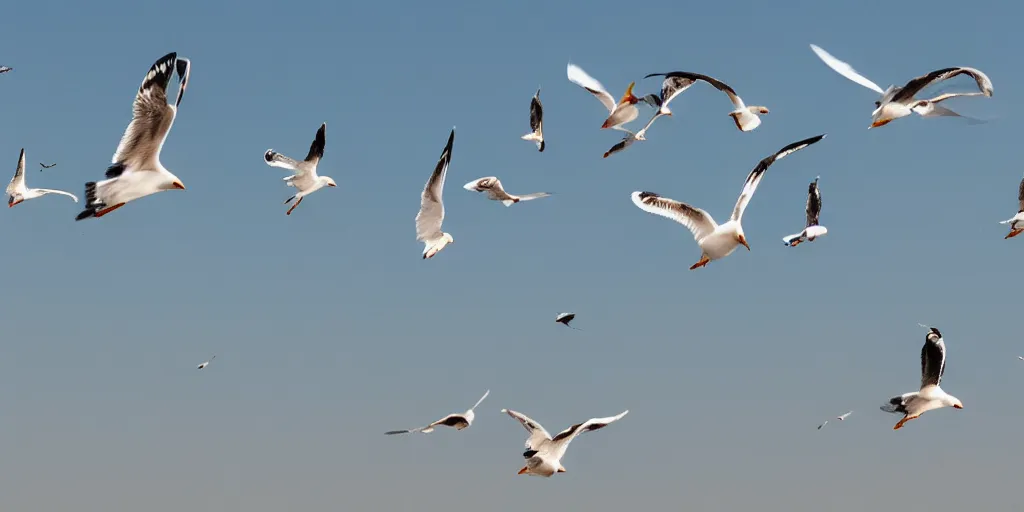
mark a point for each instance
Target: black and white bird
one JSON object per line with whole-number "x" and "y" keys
{"x": 565, "y": 318}
{"x": 716, "y": 241}
{"x": 431, "y": 214}
{"x": 136, "y": 171}
{"x": 305, "y": 178}
{"x": 619, "y": 113}
{"x": 812, "y": 230}
{"x": 897, "y": 102}
{"x": 4, "y": 69}
{"x": 746, "y": 118}
{"x": 457, "y": 421}
{"x": 536, "y": 122}
{"x": 1017, "y": 221}
{"x": 931, "y": 396}
{"x": 17, "y": 191}
{"x": 492, "y": 187}
{"x": 544, "y": 453}
{"x": 841, "y": 417}
{"x": 204, "y": 364}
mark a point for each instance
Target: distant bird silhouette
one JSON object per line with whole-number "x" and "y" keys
{"x": 44, "y": 166}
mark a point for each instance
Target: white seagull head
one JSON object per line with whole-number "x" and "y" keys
{"x": 329, "y": 181}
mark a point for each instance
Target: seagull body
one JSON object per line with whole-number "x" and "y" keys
{"x": 842, "y": 417}
{"x": 136, "y": 171}
{"x": 716, "y": 241}
{"x": 1017, "y": 221}
{"x": 206, "y": 363}
{"x": 17, "y": 191}
{"x": 536, "y": 122}
{"x": 492, "y": 187}
{"x": 619, "y": 113}
{"x": 565, "y": 318}
{"x": 457, "y": 421}
{"x": 897, "y": 102}
{"x": 431, "y": 214}
{"x": 305, "y": 178}
{"x": 543, "y": 453}
{"x": 4, "y": 69}
{"x": 746, "y": 118}
{"x": 812, "y": 229}
{"x": 931, "y": 396}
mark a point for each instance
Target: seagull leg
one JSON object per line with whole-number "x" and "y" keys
{"x": 1013, "y": 232}
{"x": 289, "y": 212}
{"x": 108, "y": 210}
{"x": 903, "y": 421}
{"x": 795, "y": 243}
{"x": 703, "y": 261}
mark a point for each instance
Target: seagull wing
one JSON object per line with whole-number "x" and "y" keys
{"x": 915, "y": 85}
{"x": 813, "y": 203}
{"x": 845, "y": 69}
{"x": 698, "y": 221}
{"x": 17, "y": 183}
{"x": 60, "y": 192}
{"x": 536, "y": 113}
{"x": 560, "y": 442}
{"x": 152, "y": 117}
{"x": 538, "y": 436}
{"x": 481, "y": 400}
{"x": 755, "y": 176}
{"x": 1020, "y": 196}
{"x": 431, "y": 214}
{"x": 316, "y": 148}
{"x": 933, "y": 358}
{"x": 581, "y": 78}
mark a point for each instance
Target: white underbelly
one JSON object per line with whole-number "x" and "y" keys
{"x": 719, "y": 244}
{"x": 129, "y": 186}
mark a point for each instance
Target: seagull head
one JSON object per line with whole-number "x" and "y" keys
{"x": 329, "y": 181}
{"x": 174, "y": 184}
{"x": 957, "y": 404}
{"x": 742, "y": 240}
{"x": 448, "y": 238}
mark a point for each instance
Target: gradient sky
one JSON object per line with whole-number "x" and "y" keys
{"x": 330, "y": 329}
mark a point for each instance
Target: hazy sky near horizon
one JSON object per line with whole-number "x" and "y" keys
{"x": 330, "y": 329}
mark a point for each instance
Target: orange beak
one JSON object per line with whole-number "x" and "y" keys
{"x": 876, "y": 124}
{"x": 743, "y": 242}
{"x": 524, "y": 470}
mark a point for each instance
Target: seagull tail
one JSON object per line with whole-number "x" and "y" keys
{"x": 91, "y": 204}
{"x": 508, "y": 202}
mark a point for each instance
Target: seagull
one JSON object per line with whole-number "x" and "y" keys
{"x": 671, "y": 87}
{"x": 1021, "y": 358}
{"x": 823, "y": 424}
{"x": 543, "y": 453}
{"x": 459, "y": 421}
{"x": 843, "y": 416}
{"x": 207, "y": 363}
{"x": 897, "y": 102}
{"x": 746, "y": 118}
{"x": 1017, "y": 221}
{"x": 44, "y": 166}
{"x": 931, "y": 396}
{"x": 716, "y": 241}
{"x": 305, "y": 178}
{"x": 619, "y": 113}
{"x": 565, "y": 318}
{"x": 431, "y": 215}
{"x": 4, "y": 69}
{"x": 492, "y": 186}
{"x": 136, "y": 171}
{"x": 812, "y": 229}
{"x": 18, "y": 192}
{"x": 536, "y": 122}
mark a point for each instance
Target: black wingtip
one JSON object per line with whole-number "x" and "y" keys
{"x": 114, "y": 171}
{"x": 645, "y": 195}
{"x": 542, "y": 146}
{"x": 91, "y": 205}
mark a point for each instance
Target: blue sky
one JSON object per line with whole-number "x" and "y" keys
{"x": 330, "y": 329}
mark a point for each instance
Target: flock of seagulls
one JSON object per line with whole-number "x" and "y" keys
{"x": 136, "y": 172}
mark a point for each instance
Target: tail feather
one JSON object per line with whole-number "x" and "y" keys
{"x": 509, "y": 202}
{"x": 92, "y": 204}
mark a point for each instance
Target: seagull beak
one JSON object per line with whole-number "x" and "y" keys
{"x": 331, "y": 185}
{"x": 881, "y": 122}
{"x": 958, "y": 406}
{"x": 178, "y": 185}
{"x": 524, "y": 470}
{"x": 561, "y": 470}
{"x": 743, "y": 242}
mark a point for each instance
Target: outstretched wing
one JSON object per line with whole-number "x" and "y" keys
{"x": 933, "y": 358}
{"x": 536, "y": 113}
{"x": 755, "y": 176}
{"x": 696, "y": 220}
{"x": 682, "y": 80}
{"x": 560, "y": 442}
{"x": 316, "y": 148}
{"x": 18, "y": 180}
{"x": 845, "y": 69}
{"x": 431, "y": 214}
{"x": 579, "y": 77}
{"x": 152, "y": 118}
{"x": 1020, "y": 196}
{"x": 537, "y": 433}
{"x": 813, "y": 203}
{"x": 915, "y": 85}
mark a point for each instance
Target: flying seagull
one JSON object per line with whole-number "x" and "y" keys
{"x": 897, "y": 102}
{"x": 459, "y": 421}
{"x": 931, "y": 396}
{"x": 431, "y": 215}
{"x": 746, "y": 118}
{"x": 841, "y": 417}
{"x": 44, "y": 166}
{"x": 716, "y": 241}
{"x": 17, "y": 191}
{"x": 207, "y": 363}
{"x": 536, "y": 122}
{"x": 565, "y": 318}
{"x": 544, "y": 453}
{"x": 136, "y": 171}
{"x": 812, "y": 230}
{"x": 1017, "y": 221}
{"x": 619, "y": 113}
{"x": 492, "y": 186}
{"x": 305, "y": 178}
{"x": 671, "y": 87}
{"x": 4, "y": 69}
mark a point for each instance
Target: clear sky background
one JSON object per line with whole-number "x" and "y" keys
{"x": 330, "y": 329}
